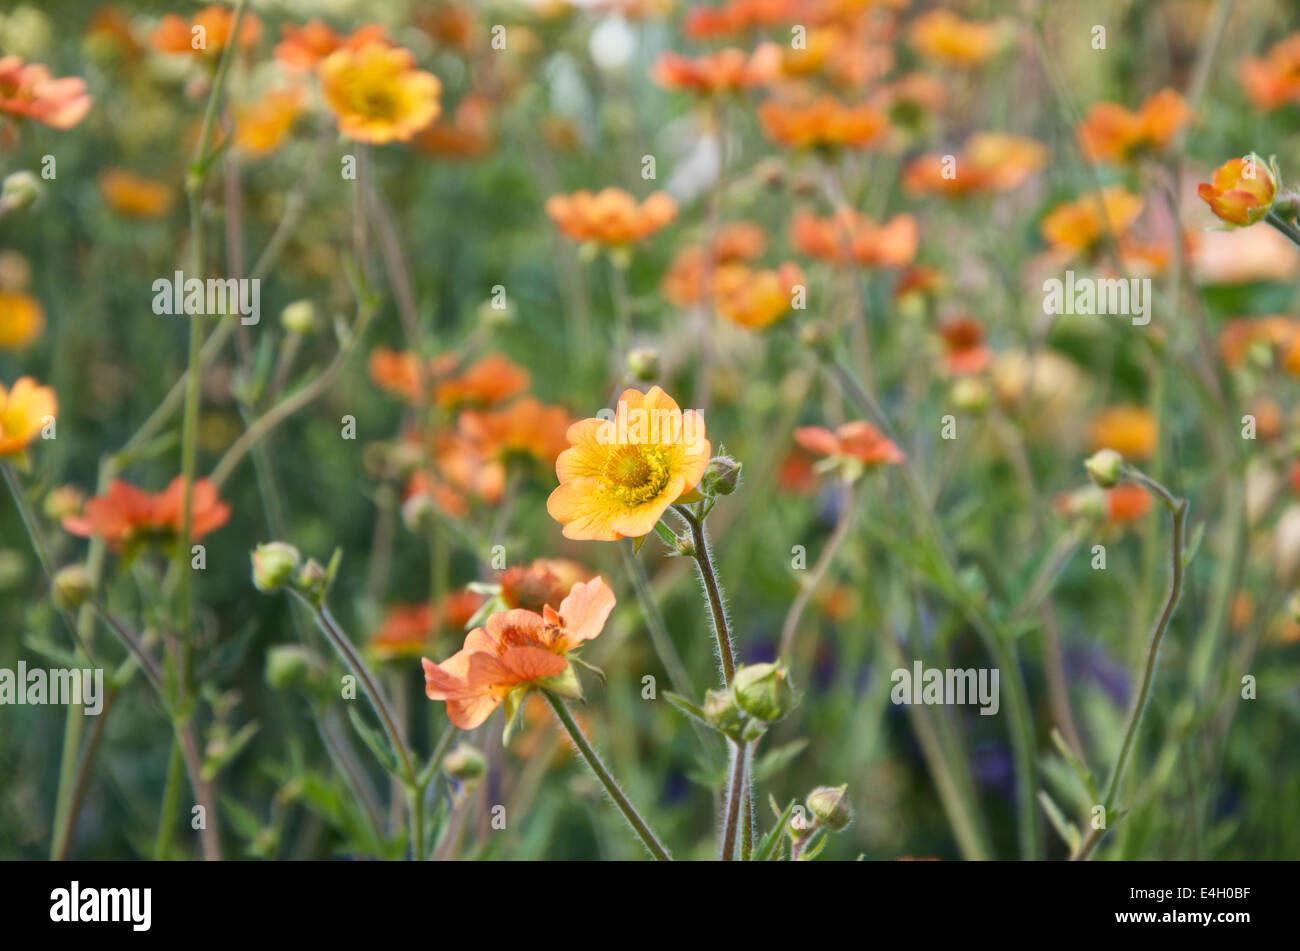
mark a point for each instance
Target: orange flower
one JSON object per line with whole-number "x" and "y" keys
{"x": 611, "y": 216}
{"x": 690, "y": 275}
{"x": 24, "y": 411}
{"x": 133, "y": 195}
{"x": 1274, "y": 80}
{"x": 1239, "y": 337}
{"x": 848, "y": 237}
{"x": 524, "y": 428}
{"x": 405, "y": 632}
{"x": 1126, "y": 503}
{"x": 1241, "y": 191}
{"x": 543, "y": 582}
{"x": 377, "y": 94}
{"x": 518, "y": 651}
{"x": 461, "y": 471}
{"x": 262, "y": 125}
{"x": 825, "y": 122}
{"x": 727, "y": 70}
{"x": 467, "y": 135}
{"x": 126, "y": 515}
{"x": 30, "y": 92}
{"x": 303, "y": 47}
{"x": 396, "y": 372}
{"x": 620, "y": 475}
{"x": 21, "y": 320}
{"x": 1129, "y": 430}
{"x": 942, "y": 35}
{"x": 206, "y": 34}
{"x": 965, "y": 352}
{"x": 756, "y": 298}
{"x": 1109, "y": 132}
{"x": 490, "y": 380}
{"x": 735, "y": 16}
{"x": 991, "y": 161}
{"x": 858, "y": 441}
{"x": 1080, "y": 225}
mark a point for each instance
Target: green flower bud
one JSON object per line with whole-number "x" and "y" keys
{"x": 71, "y": 586}
{"x": 273, "y": 564}
{"x": 21, "y": 190}
{"x": 830, "y": 804}
{"x": 764, "y": 691}
{"x": 312, "y": 580}
{"x": 721, "y": 477}
{"x": 288, "y": 665}
{"x": 1105, "y": 468}
{"x": 465, "y": 763}
{"x": 721, "y": 711}
{"x": 299, "y": 317}
{"x": 643, "y": 363}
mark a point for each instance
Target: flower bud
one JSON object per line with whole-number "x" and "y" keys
{"x": 418, "y": 513}
{"x": 299, "y": 317}
{"x": 1087, "y": 504}
{"x": 643, "y": 363}
{"x": 970, "y": 393}
{"x": 288, "y": 665}
{"x": 764, "y": 691}
{"x": 273, "y": 564}
{"x": 71, "y": 586}
{"x": 63, "y": 501}
{"x": 830, "y": 804}
{"x": 465, "y": 763}
{"x": 721, "y": 711}
{"x": 22, "y": 189}
{"x": 312, "y": 580}
{"x": 1105, "y": 468}
{"x": 721, "y": 477}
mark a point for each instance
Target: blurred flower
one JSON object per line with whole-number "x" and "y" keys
{"x": 943, "y": 36}
{"x": 21, "y": 320}
{"x": 705, "y": 21}
{"x": 1078, "y": 227}
{"x": 490, "y": 380}
{"x": 1274, "y": 80}
{"x": 541, "y": 582}
{"x": 405, "y": 632}
{"x": 377, "y": 93}
{"x": 859, "y": 441}
{"x": 303, "y": 47}
{"x": 517, "y": 651}
{"x": 461, "y": 472}
{"x": 524, "y": 428}
{"x": 1240, "y": 337}
{"x": 397, "y": 372}
{"x": 756, "y": 298}
{"x": 206, "y": 34}
{"x": 109, "y": 30}
{"x": 24, "y": 409}
{"x": 1126, "y": 503}
{"x": 1241, "y": 192}
{"x": 723, "y": 71}
{"x": 619, "y": 476}
{"x": 1129, "y": 430}
{"x": 261, "y": 126}
{"x": 126, "y": 514}
{"x": 1244, "y": 255}
{"x": 692, "y": 271}
{"x": 847, "y": 237}
{"x": 30, "y": 92}
{"x": 990, "y": 161}
{"x": 466, "y": 134}
{"x": 611, "y": 216}
{"x": 133, "y": 195}
{"x": 964, "y": 350}
{"x": 1109, "y": 132}
{"x": 824, "y": 122}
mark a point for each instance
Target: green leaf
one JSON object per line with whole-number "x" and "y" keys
{"x": 600, "y": 674}
{"x": 688, "y": 708}
{"x": 378, "y": 744}
{"x": 1068, "y": 832}
{"x": 816, "y": 849}
{"x": 775, "y": 834}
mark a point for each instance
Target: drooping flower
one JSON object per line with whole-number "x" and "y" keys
{"x": 824, "y": 122}
{"x": 724, "y": 71}
{"x": 28, "y": 91}
{"x": 135, "y": 196}
{"x": 125, "y": 515}
{"x": 943, "y": 36}
{"x": 1109, "y": 132}
{"x": 989, "y": 162}
{"x": 21, "y": 320}
{"x": 1129, "y": 430}
{"x": 205, "y": 35}
{"x": 847, "y": 237}
{"x": 610, "y": 216}
{"x": 517, "y": 651}
{"x": 1241, "y": 191}
{"x": 858, "y": 440}
{"x": 620, "y": 475}
{"x": 1079, "y": 226}
{"x": 377, "y": 94}
{"x": 25, "y": 409}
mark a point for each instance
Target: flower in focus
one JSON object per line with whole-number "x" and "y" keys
{"x": 1129, "y": 430}
{"x": 28, "y": 91}
{"x": 756, "y": 298}
{"x": 1274, "y": 80}
{"x": 964, "y": 350}
{"x": 846, "y": 237}
{"x": 126, "y": 515}
{"x": 206, "y": 34}
{"x": 943, "y": 36}
{"x": 1109, "y": 132}
{"x": 990, "y": 161}
{"x": 516, "y": 651}
{"x": 727, "y": 70}
{"x": 852, "y": 446}
{"x": 133, "y": 195}
{"x": 825, "y": 122}
{"x": 1241, "y": 191}
{"x": 25, "y": 408}
{"x": 262, "y": 125}
{"x": 377, "y": 94}
{"x": 610, "y": 216}
{"x": 21, "y": 320}
{"x": 619, "y": 476}
{"x": 1079, "y": 226}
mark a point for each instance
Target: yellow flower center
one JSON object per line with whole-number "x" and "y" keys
{"x": 635, "y": 474}
{"x": 376, "y": 100}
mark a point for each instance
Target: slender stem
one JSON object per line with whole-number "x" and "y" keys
{"x": 170, "y": 802}
{"x": 747, "y": 809}
{"x": 1287, "y": 229}
{"x": 63, "y": 828}
{"x": 639, "y": 826}
{"x": 416, "y": 807}
{"x": 704, "y": 561}
{"x": 735, "y": 793}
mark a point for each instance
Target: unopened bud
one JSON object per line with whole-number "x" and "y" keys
{"x": 287, "y": 666}
{"x": 764, "y": 691}
{"x": 721, "y": 477}
{"x": 721, "y": 710}
{"x": 465, "y": 763}
{"x": 71, "y": 586}
{"x": 643, "y": 363}
{"x": 299, "y": 317}
{"x": 1105, "y": 468}
{"x": 273, "y": 564}
{"x": 22, "y": 189}
{"x": 830, "y": 804}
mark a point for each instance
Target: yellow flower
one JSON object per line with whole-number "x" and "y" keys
{"x": 620, "y": 475}
{"x": 21, "y": 320}
{"x": 1078, "y": 226}
{"x": 23, "y": 411}
{"x": 377, "y": 93}
{"x": 1129, "y": 430}
{"x": 261, "y": 126}
{"x": 134, "y": 196}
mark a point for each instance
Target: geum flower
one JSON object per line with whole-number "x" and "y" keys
{"x": 206, "y": 34}
{"x": 24, "y": 411}
{"x": 1274, "y": 80}
{"x": 989, "y": 162}
{"x": 1241, "y": 191}
{"x": 126, "y": 516}
{"x": 21, "y": 320}
{"x": 756, "y": 298}
{"x": 303, "y": 47}
{"x": 823, "y": 123}
{"x": 1109, "y": 132}
{"x": 516, "y": 652}
{"x": 525, "y": 429}
{"x": 943, "y": 36}
{"x": 610, "y": 216}
{"x": 377, "y": 94}
{"x": 28, "y": 91}
{"x": 724, "y": 71}
{"x": 850, "y": 449}
{"x": 1080, "y": 226}
{"x": 619, "y": 476}
{"x": 847, "y": 237}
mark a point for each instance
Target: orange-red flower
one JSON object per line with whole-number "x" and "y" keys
{"x": 990, "y": 161}
{"x": 1109, "y": 132}
{"x": 21, "y": 320}
{"x": 490, "y": 380}
{"x": 964, "y": 349}
{"x": 1079, "y": 226}
{"x": 1241, "y": 192}
{"x": 1126, "y": 503}
{"x": 610, "y": 216}
{"x": 24, "y": 410}
{"x": 377, "y": 94}
{"x": 824, "y": 122}
{"x": 857, "y": 440}
{"x": 28, "y": 91}
{"x": 467, "y": 134}
{"x": 755, "y": 298}
{"x": 1129, "y": 430}
{"x": 727, "y": 70}
{"x": 126, "y": 514}
{"x": 518, "y": 650}
{"x": 690, "y": 275}
{"x": 523, "y": 428}
{"x": 1239, "y": 337}
{"x": 1274, "y": 80}
{"x": 619, "y": 476}
{"x": 135, "y": 196}
{"x": 542, "y": 582}
{"x": 407, "y": 628}
{"x": 261, "y": 125}
{"x": 846, "y": 237}
{"x": 303, "y": 47}
{"x": 462, "y": 471}
{"x": 206, "y": 34}
{"x": 943, "y": 36}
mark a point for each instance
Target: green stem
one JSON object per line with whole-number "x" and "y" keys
{"x": 639, "y": 826}
{"x": 704, "y": 561}
{"x": 170, "y": 803}
{"x": 735, "y": 793}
